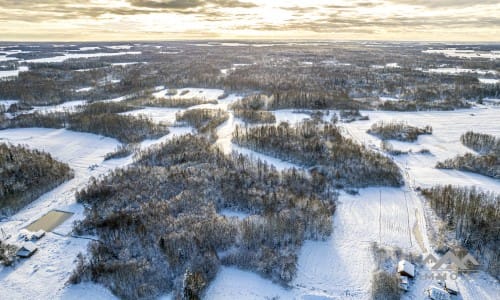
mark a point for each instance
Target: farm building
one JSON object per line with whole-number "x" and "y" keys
{"x": 436, "y": 293}
{"x": 406, "y": 268}
{"x": 27, "y": 250}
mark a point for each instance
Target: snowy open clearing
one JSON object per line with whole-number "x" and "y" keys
{"x": 453, "y": 52}
{"x": 189, "y": 93}
{"x": 444, "y": 143}
{"x": 61, "y": 58}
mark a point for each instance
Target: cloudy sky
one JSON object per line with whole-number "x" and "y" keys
{"x": 66, "y": 20}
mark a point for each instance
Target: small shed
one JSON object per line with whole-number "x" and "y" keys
{"x": 27, "y": 250}
{"x": 451, "y": 287}
{"x": 406, "y": 268}
{"x": 436, "y": 293}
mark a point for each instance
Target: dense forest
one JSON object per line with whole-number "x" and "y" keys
{"x": 486, "y": 163}
{"x": 99, "y": 118}
{"x": 204, "y": 120}
{"x": 399, "y": 131}
{"x": 346, "y": 75}
{"x": 26, "y": 175}
{"x": 474, "y": 218}
{"x": 322, "y": 148}
{"x": 160, "y": 225}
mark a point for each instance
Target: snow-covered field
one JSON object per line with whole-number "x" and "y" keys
{"x": 453, "y": 52}
{"x": 338, "y": 268}
{"x": 61, "y": 58}
{"x": 444, "y": 143}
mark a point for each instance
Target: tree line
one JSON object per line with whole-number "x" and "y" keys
{"x": 26, "y": 175}
{"x": 99, "y": 118}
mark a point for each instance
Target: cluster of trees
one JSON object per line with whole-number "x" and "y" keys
{"x": 474, "y": 217}
{"x": 481, "y": 143}
{"x": 121, "y": 151}
{"x": 323, "y": 148}
{"x": 159, "y": 228}
{"x": 486, "y": 163}
{"x": 423, "y": 105}
{"x": 26, "y": 175}
{"x": 252, "y": 109}
{"x": 204, "y": 120}
{"x": 99, "y": 118}
{"x": 172, "y": 102}
{"x": 255, "y": 116}
{"x": 400, "y": 131}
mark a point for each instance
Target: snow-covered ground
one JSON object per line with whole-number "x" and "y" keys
{"x": 188, "y": 93}
{"x": 338, "y": 268}
{"x": 489, "y": 80}
{"x": 458, "y": 71}
{"x": 13, "y": 73}
{"x": 453, "y": 52}
{"x": 341, "y": 267}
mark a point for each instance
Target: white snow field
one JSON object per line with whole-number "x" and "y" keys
{"x": 65, "y": 56}
{"x": 453, "y": 52}
{"x": 13, "y": 73}
{"x": 338, "y": 268}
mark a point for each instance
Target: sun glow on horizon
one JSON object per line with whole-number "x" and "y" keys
{"x": 94, "y": 20}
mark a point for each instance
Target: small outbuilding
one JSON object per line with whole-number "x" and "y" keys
{"x": 26, "y": 250}
{"x": 406, "y": 268}
{"x": 436, "y": 293}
